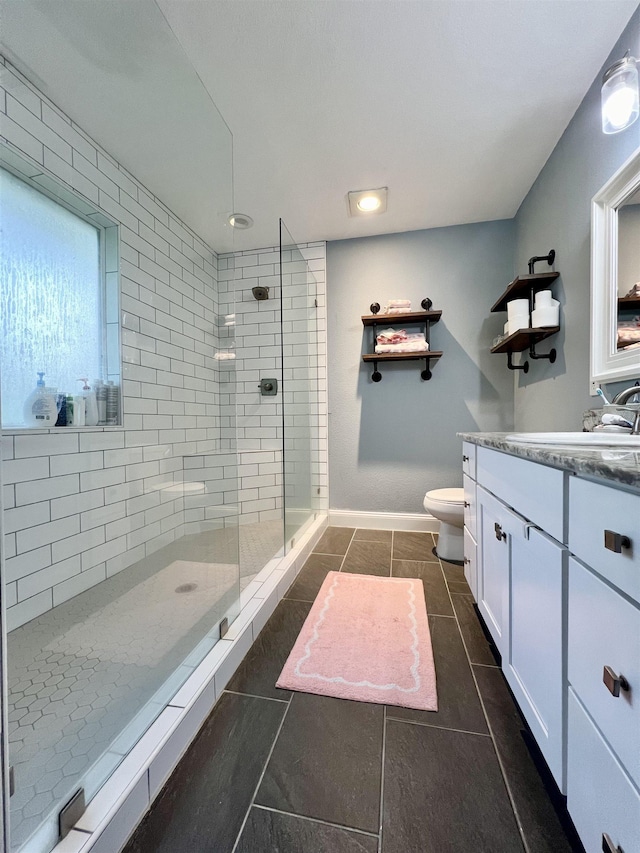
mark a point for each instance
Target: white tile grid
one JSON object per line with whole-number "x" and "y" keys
{"x": 258, "y": 339}
{"x": 82, "y": 507}
{"x": 121, "y": 803}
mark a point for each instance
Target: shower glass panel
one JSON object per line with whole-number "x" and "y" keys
{"x": 120, "y": 544}
{"x": 298, "y": 291}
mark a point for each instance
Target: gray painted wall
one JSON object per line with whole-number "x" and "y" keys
{"x": 390, "y": 442}
{"x": 556, "y": 214}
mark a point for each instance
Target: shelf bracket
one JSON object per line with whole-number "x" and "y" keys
{"x": 376, "y": 376}
{"x": 550, "y": 355}
{"x": 426, "y": 373}
{"x": 524, "y": 367}
{"x": 550, "y": 258}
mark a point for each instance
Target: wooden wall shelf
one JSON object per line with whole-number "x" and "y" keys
{"x": 425, "y": 318}
{"x": 522, "y": 339}
{"x": 524, "y": 286}
{"x": 629, "y": 303}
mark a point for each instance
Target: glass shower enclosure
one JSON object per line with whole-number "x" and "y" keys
{"x": 120, "y": 548}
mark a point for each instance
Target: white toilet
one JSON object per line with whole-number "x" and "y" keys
{"x": 447, "y": 505}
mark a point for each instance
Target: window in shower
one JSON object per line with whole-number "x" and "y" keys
{"x": 59, "y": 290}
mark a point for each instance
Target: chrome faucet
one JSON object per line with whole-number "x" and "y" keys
{"x": 623, "y": 398}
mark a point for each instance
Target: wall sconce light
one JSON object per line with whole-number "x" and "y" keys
{"x": 620, "y": 95}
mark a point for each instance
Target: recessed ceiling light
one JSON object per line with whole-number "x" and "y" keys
{"x": 241, "y": 221}
{"x": 366, "y": 202}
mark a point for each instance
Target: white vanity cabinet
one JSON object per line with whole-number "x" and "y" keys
{"x": 603, "y": 749}
{"x": 521, "y": 581}
{"x": 558, "y": 586}
{"x": 470, "y": 510}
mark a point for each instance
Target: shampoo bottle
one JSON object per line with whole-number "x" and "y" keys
{"x": 40, "y": 409}
{"x": 90, "y": 404}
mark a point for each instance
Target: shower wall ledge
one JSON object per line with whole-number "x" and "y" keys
{"x": 120, "y": 805}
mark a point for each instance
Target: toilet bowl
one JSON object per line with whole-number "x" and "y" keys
{"x": 447, "y": 505}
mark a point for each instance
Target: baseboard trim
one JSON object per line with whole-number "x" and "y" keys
{"x": 384, "y": 520}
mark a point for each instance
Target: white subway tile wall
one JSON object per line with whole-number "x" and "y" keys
{"x": 83, "y": 506}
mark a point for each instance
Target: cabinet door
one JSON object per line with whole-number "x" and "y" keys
{"x": 470, "y": 562}
{"x": 534, "y": 662}
{"x": 495, "y": 525}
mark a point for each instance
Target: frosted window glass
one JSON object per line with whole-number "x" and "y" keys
{"x": 50, "y": 298}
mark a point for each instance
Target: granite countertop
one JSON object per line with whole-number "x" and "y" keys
{"x": 607, "y": 463}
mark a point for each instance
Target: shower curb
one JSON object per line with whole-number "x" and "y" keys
{"x": 119, "y": 806}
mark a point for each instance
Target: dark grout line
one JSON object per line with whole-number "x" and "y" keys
{"x": 348, "y": 546}
{"x": 503, "y": 771}
{"x": 264, "y": 770}
{"x": 316, "y": 820}
{"x": 384, "y": 751}
{"x": 434, "y": 726}
{"x": 256, "y": 696}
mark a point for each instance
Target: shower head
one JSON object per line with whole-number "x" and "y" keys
{"x": 260, "y": 293}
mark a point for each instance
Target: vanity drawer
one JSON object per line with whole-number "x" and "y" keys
{"x": 469, "y": 504}
{"x": 469, "y": 459}
{"x": 595, "y": 508}
{"x": 600, "y": 796}
{"x": 604, "y": 630}
{"x": 534, "y": 491}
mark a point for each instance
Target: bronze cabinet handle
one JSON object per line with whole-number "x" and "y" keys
{"x": 467, "y": 504}
{"x": 465, "y": 458}
{"x": 616, "y": 541}
{"x": 500, "y": 534}
{"x": 614, "y": 683}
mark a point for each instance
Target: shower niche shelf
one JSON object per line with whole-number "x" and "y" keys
{"x": 425, "y": 318}
{"x": 526, "y": 287}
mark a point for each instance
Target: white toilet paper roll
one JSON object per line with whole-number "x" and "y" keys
{"x": 517, "y": 307}
{"x": 518, "y": 322}
{"x": 543, "y": 299}
{"x": 542, "y": 317}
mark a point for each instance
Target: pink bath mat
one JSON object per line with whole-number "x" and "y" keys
{"x": 366, "y": 638}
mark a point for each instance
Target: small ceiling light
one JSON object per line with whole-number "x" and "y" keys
{"x": 620, "y": 95}
{"x": 366, "y": 202}
{"x": 240, "y": 221}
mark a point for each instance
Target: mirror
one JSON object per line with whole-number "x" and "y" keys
{"x": 615, "y": 276}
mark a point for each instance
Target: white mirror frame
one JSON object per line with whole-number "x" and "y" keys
{"x": 607, "y": 364}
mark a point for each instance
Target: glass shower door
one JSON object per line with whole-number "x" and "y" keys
{"x": 298, "y": 292}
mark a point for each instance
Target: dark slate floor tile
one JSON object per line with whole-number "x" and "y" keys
{"x": 460, "y": 587}
{"x": 373, "y": 535}
{"x": 327, "y": 762}
{"x": 458, "y": 702}
{"x": 443, "y": 791}
{"x": 310, "y": 579}
{"x": 453, "y": 572}
{"x": 263, "y": 664}
{"x": 545, "y": 827}
{"x": 413, "y": 546}
{"x": 280, "y": 833}
{"x": 479, "y": 645}
{"x": 368, "y": 558}
{"x": 203, "y": 804}
{"x": 335, "y": 540}
{"x": 435, "y": 589}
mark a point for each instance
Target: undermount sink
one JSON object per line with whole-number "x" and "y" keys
{"x": 586, "y": 439}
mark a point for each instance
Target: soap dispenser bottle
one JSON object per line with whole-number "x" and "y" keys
{"x": 40, "y": 409}
{"x": 90, "y": 404}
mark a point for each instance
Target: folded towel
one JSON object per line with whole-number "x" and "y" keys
{"x": 404, "y": 346}
{"x": 392, "y": 336}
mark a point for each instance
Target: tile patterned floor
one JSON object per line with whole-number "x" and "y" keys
{"x": 289, "y": 772}
{"x": 85, "y": 678}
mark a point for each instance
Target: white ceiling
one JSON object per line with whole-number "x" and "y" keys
{"x": 455, "y": 105}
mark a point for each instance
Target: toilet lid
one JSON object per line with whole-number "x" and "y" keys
{"x": 447, "y": 496}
